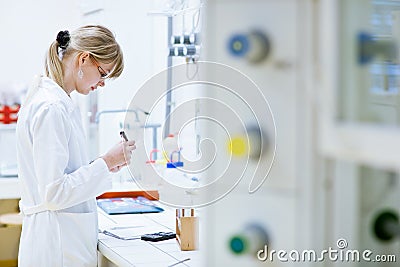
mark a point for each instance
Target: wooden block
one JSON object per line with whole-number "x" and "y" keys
{"x": 186, "y": 231}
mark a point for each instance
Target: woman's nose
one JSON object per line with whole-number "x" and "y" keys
{"x": 101, "y": 83}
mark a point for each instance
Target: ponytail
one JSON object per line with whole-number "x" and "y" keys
{"x": 53, "y": 65}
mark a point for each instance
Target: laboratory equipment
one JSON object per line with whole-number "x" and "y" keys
{"x": 253, "y": 46}
{"x": 184, "y": 45}
{"x": 251, "y": 239}
{"x": 175, "y": 162}
{"x": 131, "y": 124}
{"x": 387, "y": 225}
{"x": 333, "y": 91}
{"x": 358, "y": 125}
{"x": 187, "y": 230}
{"x": 360, "y": 94}
{"x": 249, "y": 143}
{"x": 172, "y": 151}
{"x": 135, "y": 111}
{"x": 123, "y": 136}
{"x": 8, "y": 114}
{"x": 160, "y": 236}
{"x": 271, "y": 43}
{"x": 153, "y": 156}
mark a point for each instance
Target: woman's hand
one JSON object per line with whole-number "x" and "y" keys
{"x": 118, "y": 168}
{"x": 119, "y": 156}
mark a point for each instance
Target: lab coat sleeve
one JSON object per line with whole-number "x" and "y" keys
{"x": 59, "y": 190}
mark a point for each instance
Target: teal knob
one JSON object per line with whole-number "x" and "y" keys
{"x": 238, "y": 244}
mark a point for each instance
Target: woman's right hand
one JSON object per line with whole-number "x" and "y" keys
{"x": 119, "y": 155}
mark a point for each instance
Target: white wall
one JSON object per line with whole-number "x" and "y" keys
{"x": 143, "y": 39}
{"x": 134, "y": 30}
{"x": 27, "y": 29}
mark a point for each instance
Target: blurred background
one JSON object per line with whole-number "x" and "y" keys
{"x": 321, "y": 76}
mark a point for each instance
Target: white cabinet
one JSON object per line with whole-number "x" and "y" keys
{"x": 8, "y": 155}
{"x": 9, "y": 187}
{"x": 360, "y": 81}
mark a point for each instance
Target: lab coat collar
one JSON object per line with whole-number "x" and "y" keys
{"x": 54, "y": 88}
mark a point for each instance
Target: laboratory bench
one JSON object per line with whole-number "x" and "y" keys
{"x": 136, "y": 252}
{"x": 9, "y": 188}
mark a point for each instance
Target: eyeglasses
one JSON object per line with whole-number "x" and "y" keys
{"x": 103, "y": 73}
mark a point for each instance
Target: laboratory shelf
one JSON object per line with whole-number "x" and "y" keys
{"x": 8, "y": 127}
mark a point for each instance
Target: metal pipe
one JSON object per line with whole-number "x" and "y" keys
{"x": 98, "y": 114}
{"x": 136, "y": 111}
{"x": 169, "y": 83}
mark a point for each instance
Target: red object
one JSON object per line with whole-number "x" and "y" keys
{"x": 151, "y": 160}
{"x": 150, "y": 194}
{"x": 9, "y": 114}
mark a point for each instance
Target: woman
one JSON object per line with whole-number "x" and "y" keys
{"x": 58, "y": 184}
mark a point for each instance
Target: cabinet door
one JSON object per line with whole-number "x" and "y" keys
{"x": 360, "y": 82}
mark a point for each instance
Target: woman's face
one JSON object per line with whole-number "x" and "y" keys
{"x": 94, "y": 74}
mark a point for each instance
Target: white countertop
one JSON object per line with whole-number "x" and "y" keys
{"x": 9, "y": 188}
{"x": 138, "y": 252}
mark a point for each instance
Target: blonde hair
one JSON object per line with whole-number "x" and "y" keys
{"x": 97, "y": 40}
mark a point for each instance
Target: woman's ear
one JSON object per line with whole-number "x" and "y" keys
{"x": 83, "y": 56}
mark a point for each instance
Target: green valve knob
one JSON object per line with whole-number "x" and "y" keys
{"x": 238, "y": 244}
{"x": 249, "y": 240}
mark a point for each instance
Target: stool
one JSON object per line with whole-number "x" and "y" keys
{"x": 11, "y": 219}
{"x": 10, "y": 231}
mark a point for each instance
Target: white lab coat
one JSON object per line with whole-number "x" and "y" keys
{"x": 58, "y": 183}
